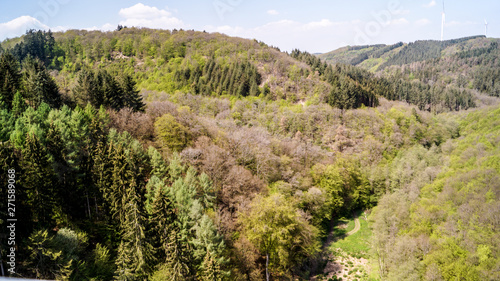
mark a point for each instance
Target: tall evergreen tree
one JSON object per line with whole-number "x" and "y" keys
{"x": 113, "y": 93}
{"x": 162, "y": 223}
{"x": 131, "y": 95}
{"x": 10, "y": 78}
{"x": 88, "y": 89}
{"x": 134, "y": 252}
{"x": 18, "y": 105}
{"x": 39, "y": 86}
{"x": 39, "y": 180}
{"x": 38, "y": 44}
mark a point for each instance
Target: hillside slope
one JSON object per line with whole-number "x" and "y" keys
{"x": 437, "y": 76}
{"x": 401, "y": 53}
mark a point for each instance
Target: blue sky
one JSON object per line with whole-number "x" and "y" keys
{"x": 314, "y": 25}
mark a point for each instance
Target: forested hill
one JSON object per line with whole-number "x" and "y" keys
{"x": 197, "y": 62}
{"x": 146, "y": 154}
{"x": 178, "y": 60}
{"x": 377, "y": 57}
{"x": 435, "y": 75}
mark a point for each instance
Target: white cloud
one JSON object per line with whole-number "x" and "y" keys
{"x": 105, "y": 27}
{"x": 431, "y": 4}
{"x": 60, "y": 28}
{"x": 422, "y": 22}
{"x": 318, "y": 24}
{"x": 289, "y": 34}
{"x": 273, "y": 12}
{"x": 108, "y": 27}
{"x": 141, "y": 11}
{"x": 141, "y": 15}
{"x": 400, "y": 21}
{"x": 18, "y": 27}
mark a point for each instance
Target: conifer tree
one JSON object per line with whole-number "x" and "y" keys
{"x": 162, "y": 219}
{"x": 18, "y": 105}
{"x": 113, "y": 93}
{"x": 134, "y": 252}
{"x": 211, "y": 269}
{"x": 38, "y": 179}
{"x": 8, "y": 124}
{"x": 131, "y": 95}
{"x": 88, "y": 89}
{"x": 10, "y": 78}
{"x": 207, "y": 242}
{"x": 39, "y": 86}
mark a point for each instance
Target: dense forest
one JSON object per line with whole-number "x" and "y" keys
{"x": 145, "y": 154}
{"x": 436, "y": 76}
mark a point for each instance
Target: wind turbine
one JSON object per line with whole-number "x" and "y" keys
{"x": 485, "y": 28}
{"x": 443, "y": 21}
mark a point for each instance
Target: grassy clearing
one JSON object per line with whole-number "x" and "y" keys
{"x": 342, "y": 226}
{"x": 356, "y": 245}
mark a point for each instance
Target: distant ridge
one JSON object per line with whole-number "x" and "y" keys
{"x": 378, "y": 57}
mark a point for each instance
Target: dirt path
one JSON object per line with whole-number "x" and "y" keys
{"x": 336, "y": 267}
{"x": 357, "y": 226}
{"x": 332, "y": 267}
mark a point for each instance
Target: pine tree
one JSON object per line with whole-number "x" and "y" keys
{"x": 113, "y": 93}
{"x": 18, "y": 105}
{"x": 88, "y": 89}
{"x": 208, "y": 242}
{"x": 208, "y": 192}
{"x": 7, "y": 119}
{"x": 162, "y": 219}
{"x": 177, "y": 260}
{"x": 39, "y": 180}
{"x": 131, "y": 95}
{"x": 134, "y": 252}
{"x": 39, "y": 86}
{"x": 10, "y": 78}
{"x": 211, "y": 270}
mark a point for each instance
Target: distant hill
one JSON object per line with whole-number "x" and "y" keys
{"x": 464, "y": 67}
{"x": 379, "y": 57}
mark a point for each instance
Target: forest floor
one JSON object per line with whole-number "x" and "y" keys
{"x": 346, "y": 250}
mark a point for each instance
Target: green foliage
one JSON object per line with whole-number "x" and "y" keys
{"x": 203, "y": 212}
{"x": 39, "y": 180}
{"x": 352, "y": 87}
{"x": 347, "y": 188}
{"x": 455, "y": 198}
{"x": 102, "y": 266}
{"x": 52, "y": 256}
{"x": 39, "y": 86}
{"x": 7, "y": 121}
{"x": 441, "y": 75}
{"x": 209, "y": 246}
{"x": 37, "y": 44}
{"x": 131, "y": 97}
{"x": 172, "y": 134}
{"x": 18, "y": 105}
{"x": 280, "y": 232}
{"x": 134, "y": 252}
{"x": 10, "y": 78}
{"x": 102, "y": 89}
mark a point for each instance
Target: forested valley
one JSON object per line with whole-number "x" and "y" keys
{"x": 144, "y": 154}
